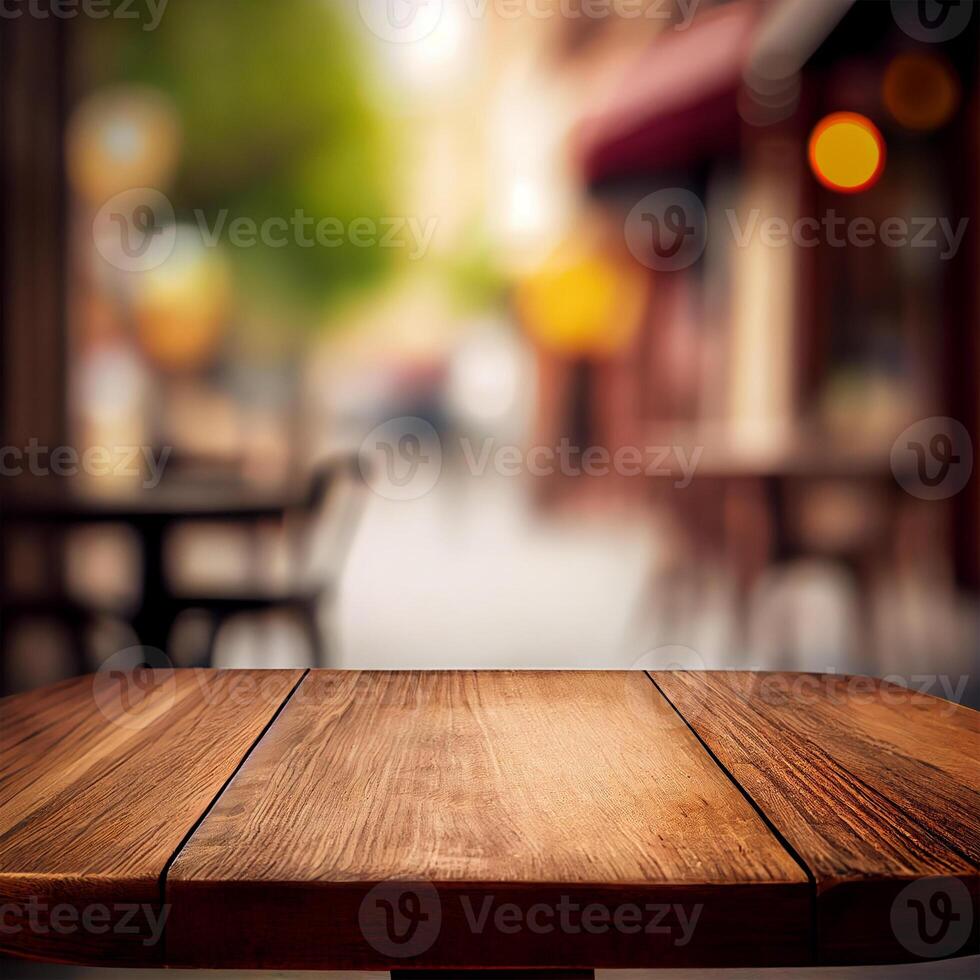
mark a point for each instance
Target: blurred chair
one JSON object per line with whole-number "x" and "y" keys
{"x": 73, "y": 619}
{"x": 33, "y": 592}
{"x": 317, "y": 541}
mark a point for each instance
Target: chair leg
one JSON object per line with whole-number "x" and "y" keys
{"x": 78, "y": 636}
{"x": 215, "y": 623}
{"x": 314, "y": 635}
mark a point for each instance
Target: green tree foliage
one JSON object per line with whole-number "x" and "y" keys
{"x": 277, "y": 116}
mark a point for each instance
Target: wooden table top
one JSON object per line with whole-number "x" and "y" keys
{"x": 486, "y": 820}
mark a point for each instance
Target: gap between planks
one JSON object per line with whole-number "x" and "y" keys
{"x": 221, "y": 789}
{"x": 261, "y": 735}
{"x": 773, "y": 829}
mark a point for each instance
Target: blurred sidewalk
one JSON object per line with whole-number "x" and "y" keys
{"x": 471, "y": 576}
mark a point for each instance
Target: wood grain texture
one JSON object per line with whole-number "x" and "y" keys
{"x": 101, "y": 778}
{"x": 489, "y": 790}
{"x": 486, "y": 820}
{"x": 875, "y": 786}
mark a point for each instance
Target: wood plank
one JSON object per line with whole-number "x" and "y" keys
{"x": 483, "y": 812}
{"x": 101, "y": 778}
{"x": 874, "y": 785}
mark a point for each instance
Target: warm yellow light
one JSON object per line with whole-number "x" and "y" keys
{"x": 847, "y": 152}
{"x": 920, "y": 91}
{"x": 122, "y": 138}
{"x": 181, "y": 307}
{"x": 584, "y": 304}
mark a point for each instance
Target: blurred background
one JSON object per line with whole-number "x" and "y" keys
{"x": 463, "y": 333}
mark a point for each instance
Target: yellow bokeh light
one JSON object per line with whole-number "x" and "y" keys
{"x": 121, "y": 138}
{"x": 920, "y": 91}
{"x": 580, "y": 305}
{"x": 181, "y": 307}
{"x": 847, "y": 152}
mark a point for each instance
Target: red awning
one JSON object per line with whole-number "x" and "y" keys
{"x": 678, "y": 105}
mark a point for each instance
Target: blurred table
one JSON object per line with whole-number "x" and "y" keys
{"x": 749, "y": 506}
{"x": 151, "y": 513}
{"x": 460, "y": 820}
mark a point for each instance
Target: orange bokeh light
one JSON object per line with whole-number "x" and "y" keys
{"x": 847, "y": 152}
{"x": 920, "y": 91}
